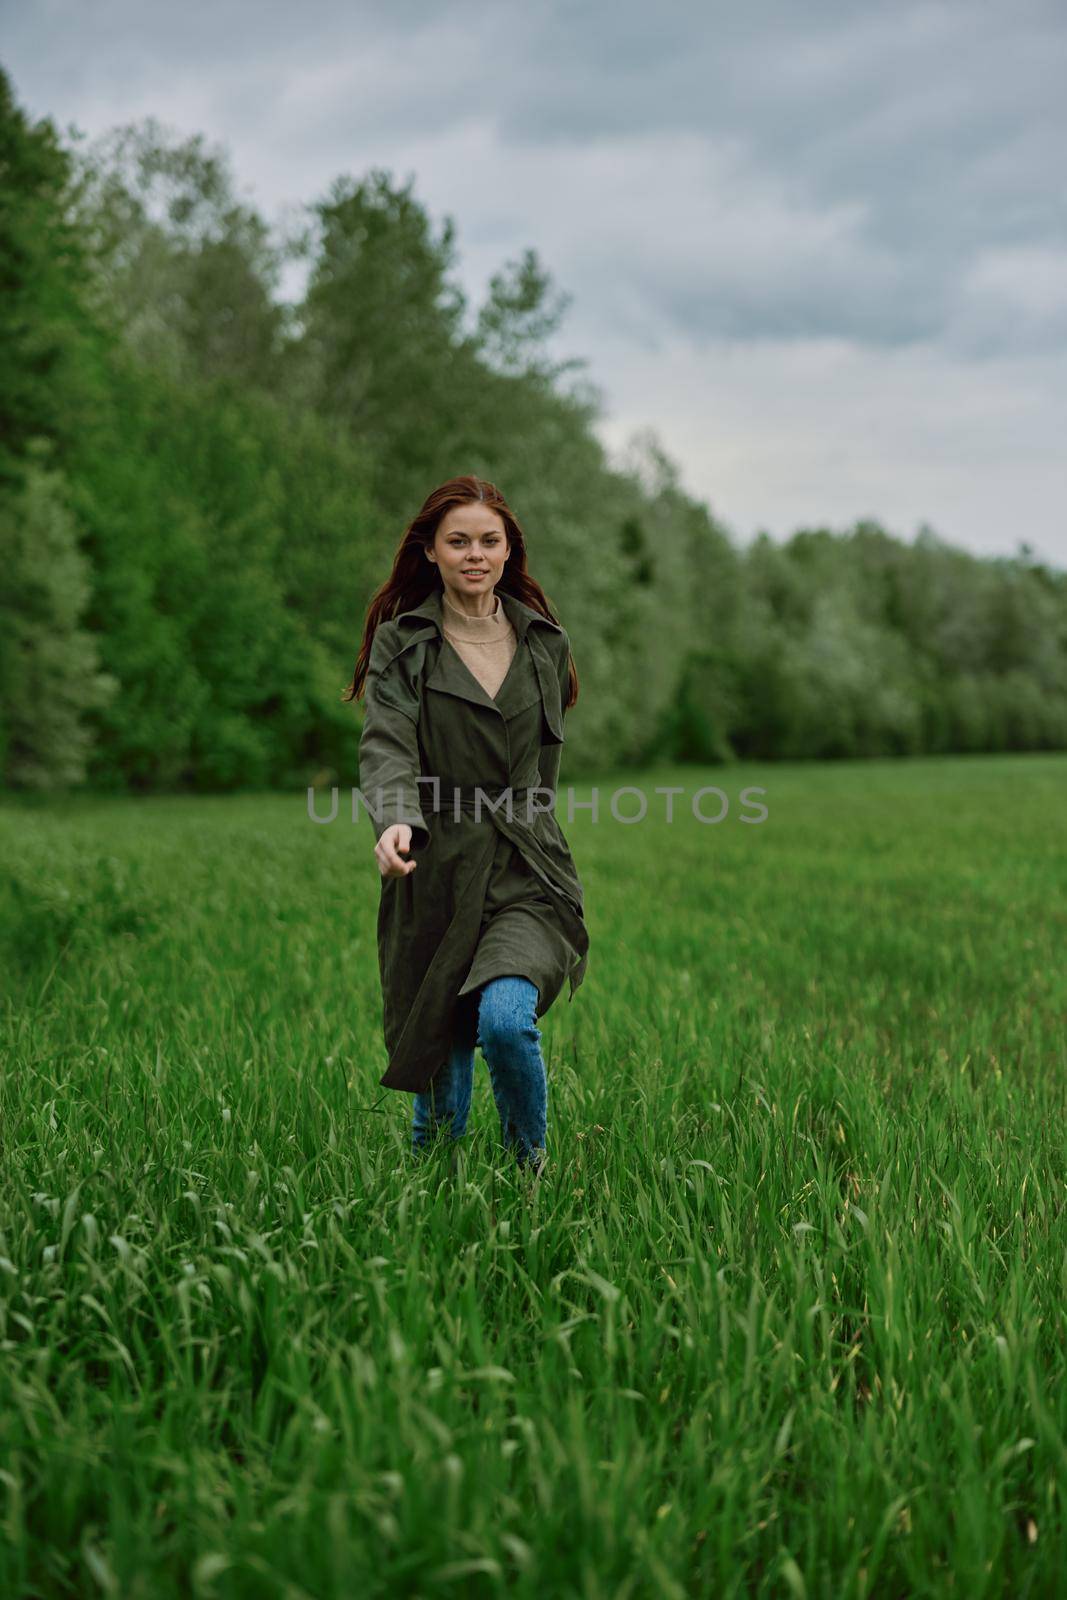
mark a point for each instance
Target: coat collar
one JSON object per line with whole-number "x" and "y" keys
{"x": 451, "y": 674}
{"x": 520, "y": 615}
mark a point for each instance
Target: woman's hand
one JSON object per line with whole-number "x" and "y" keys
{"x": 393, "y": 840}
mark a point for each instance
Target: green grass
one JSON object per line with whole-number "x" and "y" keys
{"x": 785, "y": 1315}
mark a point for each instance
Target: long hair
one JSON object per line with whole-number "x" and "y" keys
{"x": 413, "y": 577}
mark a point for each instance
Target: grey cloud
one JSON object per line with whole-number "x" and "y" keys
{"x": 886, "y": 180}
{"x": 943, "y": 126}
{"x": 947, "y": 124}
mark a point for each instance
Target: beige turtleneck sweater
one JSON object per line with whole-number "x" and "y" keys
{"x": 486, "y": 644}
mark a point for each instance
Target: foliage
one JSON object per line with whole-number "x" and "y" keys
{"x": 49, "y": 670}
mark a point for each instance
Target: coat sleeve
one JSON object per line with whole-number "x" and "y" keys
{"x": 389, "y": 759}
{"x": 550, "y": 753}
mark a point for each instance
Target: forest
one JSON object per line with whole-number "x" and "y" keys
{"x": 203, "y": 481}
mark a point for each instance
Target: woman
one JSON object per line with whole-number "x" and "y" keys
{"x": 481, "y": 921}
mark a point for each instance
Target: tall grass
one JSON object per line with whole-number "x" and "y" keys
{"x": 784, "y": 1315}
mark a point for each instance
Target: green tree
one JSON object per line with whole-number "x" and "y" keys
{"x": 187, "y": 270}
{"x": 50, "y": 674}
{"x": 46, "y": 388}
{"x": 381, "y": 325}
{"x": 521, "y": 311}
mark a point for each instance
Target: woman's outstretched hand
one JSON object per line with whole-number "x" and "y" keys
{"x": 390, "y": 863}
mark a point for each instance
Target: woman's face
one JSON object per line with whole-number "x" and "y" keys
{"x": 470, "y": 547}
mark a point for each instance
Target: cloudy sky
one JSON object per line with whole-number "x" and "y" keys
{"x": 819, "y": 248}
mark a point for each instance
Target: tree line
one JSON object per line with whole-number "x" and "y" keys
{"x": 202, "y": 482}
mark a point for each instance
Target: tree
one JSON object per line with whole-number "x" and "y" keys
{"x": 382, "y": 323}
{"x": 519, "y": 315}
{"x": 185, "y": 268}
{"x": 45, "y": 333}
{"x": 49, "y": 666}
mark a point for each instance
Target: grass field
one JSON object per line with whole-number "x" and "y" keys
{"x": 784, "y": 1316}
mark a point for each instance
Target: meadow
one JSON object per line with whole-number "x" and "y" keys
{"x": 784, "y": 1315}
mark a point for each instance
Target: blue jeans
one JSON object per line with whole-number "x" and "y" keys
{"x": 505, "y": 1027}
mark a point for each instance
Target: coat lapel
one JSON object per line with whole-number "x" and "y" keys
{"x": 450, "y": 673}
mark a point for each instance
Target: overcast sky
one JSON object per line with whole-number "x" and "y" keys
{"x": 821, "y": 248}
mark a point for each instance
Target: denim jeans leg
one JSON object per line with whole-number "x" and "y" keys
{"x": 511, "y": 1043}
{"x": 446, "y": 1103}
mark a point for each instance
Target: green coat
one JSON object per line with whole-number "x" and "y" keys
{"x": 490, "y": 895}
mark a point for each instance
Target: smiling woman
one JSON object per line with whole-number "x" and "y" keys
{"x": 467, "y": 678}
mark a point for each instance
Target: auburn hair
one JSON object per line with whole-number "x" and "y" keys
{"x": 413, "y": 577}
